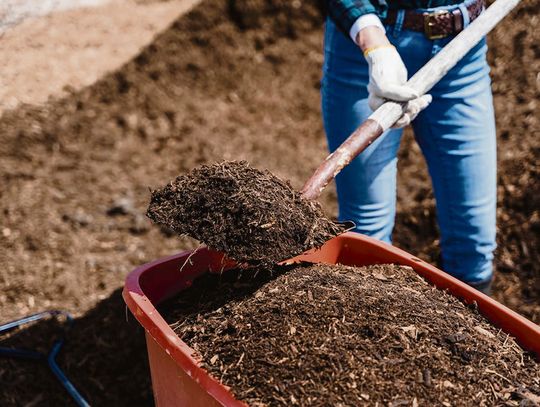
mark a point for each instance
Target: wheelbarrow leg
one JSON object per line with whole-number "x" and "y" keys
{"x": 50, "y": 358}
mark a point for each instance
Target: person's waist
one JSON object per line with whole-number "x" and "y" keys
{"x": 420, "y": 4}
{"x": 435, "y": 22}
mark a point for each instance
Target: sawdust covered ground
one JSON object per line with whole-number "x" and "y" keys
{"x": 220, "y": 83}
{"x": 51, "y": 56}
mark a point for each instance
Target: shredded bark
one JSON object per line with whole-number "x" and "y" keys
{"x": 334, "y": 335}
{"x": 252, "y": 215}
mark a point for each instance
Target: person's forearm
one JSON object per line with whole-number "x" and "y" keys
{"x": 371, "y": 37}
{"x": 346, "y": 13}
{"x": 361, "y": 21}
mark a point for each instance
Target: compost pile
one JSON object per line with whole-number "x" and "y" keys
{"x": 231, "y": 80}
{"x": 252, "y": 215}
{"x": 337, "y": 335}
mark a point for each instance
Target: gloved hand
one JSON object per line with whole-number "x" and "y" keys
{"x": 387, "y": 81}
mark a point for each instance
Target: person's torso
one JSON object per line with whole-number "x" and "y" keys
{"x": 415, "y": 4}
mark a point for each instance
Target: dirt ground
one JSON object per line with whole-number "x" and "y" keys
{"x": 230, "y": 80}
{"x": 48, "y": 57}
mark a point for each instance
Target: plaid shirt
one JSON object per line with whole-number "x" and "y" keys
{"x": 345, "y": 12}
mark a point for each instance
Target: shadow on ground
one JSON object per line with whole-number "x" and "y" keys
{"x": 104, "y": 356}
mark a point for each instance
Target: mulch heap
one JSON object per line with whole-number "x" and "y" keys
{"x": 336, "y": 335}
{"x": 231, "y": 80}
{"x": 251, "y": 215}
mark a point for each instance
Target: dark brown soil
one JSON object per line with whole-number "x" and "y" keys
{"x": 232, "y": 80}
{"x": 336, "y": 335}
{"x": 104, "y": 356}
{"x": 250, "y": 214}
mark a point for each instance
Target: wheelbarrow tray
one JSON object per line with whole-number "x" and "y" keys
{"x": 177, "y": 377}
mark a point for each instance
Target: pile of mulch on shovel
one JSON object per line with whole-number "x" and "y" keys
{"x": 251, "y": 215}
{"x": 337, "y": 335}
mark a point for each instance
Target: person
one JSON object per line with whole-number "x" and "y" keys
{"x": 370, "y": 46}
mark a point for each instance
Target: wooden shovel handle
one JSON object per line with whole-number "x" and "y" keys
{"x": 357, "y": 142}
{"x": 386, "y": 115}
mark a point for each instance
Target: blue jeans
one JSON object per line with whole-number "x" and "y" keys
{"x": 456, "y": 134}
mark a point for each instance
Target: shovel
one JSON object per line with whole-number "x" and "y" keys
{"x": 257, "y": 218}
{"x": 386, "y": 115}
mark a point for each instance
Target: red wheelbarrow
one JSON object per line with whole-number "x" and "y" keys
{"x": 177, "y": 377}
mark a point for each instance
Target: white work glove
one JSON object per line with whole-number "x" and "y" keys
{"x": 387, "y": 81}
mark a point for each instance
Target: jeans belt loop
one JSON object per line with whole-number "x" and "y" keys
{"x": 400, "y": 17}
{"x": 465, "y": 14}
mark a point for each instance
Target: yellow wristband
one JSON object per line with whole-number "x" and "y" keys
{"x": 368, "y": 50}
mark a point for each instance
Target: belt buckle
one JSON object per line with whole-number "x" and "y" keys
{"x": 430, "y": 20}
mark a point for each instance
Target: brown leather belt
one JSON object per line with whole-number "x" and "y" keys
{"x": 437, "y": 24}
